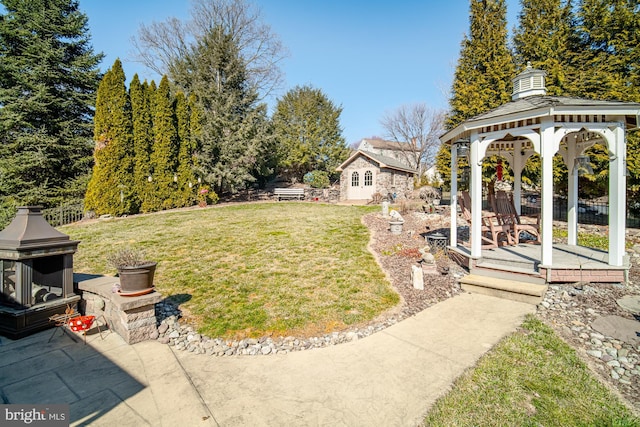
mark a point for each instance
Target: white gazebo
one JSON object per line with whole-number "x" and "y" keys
{"x": 534, "y": 122}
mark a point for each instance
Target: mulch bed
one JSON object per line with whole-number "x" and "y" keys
{"x": 397, "y": 253}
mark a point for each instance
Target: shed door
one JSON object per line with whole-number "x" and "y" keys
{"x": 362, "y": 184}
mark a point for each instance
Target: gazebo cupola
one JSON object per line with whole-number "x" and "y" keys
{"x": 529, "y": 82}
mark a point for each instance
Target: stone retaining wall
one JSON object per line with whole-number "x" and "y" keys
{"x": 133, "y": 318}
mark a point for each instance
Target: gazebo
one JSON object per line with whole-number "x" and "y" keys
{"x": 534, "y": 122}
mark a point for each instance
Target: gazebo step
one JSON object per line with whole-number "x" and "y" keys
{"x": 508, "y": 289}
{"x": 508, "y": 272}
{"x": 508, "y": 263}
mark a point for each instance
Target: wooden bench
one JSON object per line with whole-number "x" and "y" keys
{"x": 289, "y": 193}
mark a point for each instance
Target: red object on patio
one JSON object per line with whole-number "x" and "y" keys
{"x": 81, "y": 323}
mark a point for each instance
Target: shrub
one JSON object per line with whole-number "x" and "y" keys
{"x": 429, "y": 193}
{"x": 317, "y": 179}
{"x": 206, "y": 196}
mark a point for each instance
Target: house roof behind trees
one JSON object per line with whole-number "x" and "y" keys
{"x": 382, "y": 144}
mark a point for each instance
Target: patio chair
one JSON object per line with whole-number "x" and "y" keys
{"x": 506, "y": 212}
{"x": 491, "y": 227}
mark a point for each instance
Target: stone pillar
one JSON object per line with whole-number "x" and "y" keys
{"x": 133, "y": 318}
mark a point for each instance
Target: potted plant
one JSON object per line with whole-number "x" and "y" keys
{"x": 134, "y": 270}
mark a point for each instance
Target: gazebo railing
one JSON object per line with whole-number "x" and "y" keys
{"x": 589, "y": 211}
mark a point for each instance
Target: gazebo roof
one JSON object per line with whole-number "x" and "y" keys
{"x": 537, "y": 106}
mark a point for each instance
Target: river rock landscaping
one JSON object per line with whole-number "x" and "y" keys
{"x": 571, "y": 309}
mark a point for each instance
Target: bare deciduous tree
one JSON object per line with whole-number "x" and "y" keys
{"x": 166, "y": 47}
{"x": 416, "y": 129}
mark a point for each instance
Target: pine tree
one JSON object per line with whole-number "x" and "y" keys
{"x": 307, "y": 128}
{"x": 48, "y": 80}
{"x": 547, "y": 38}
{"x": 164, "y": 154}
{"x": 235, "y": 141}
{"x": 142, "y": 140}
{"x": 111, "y": 187}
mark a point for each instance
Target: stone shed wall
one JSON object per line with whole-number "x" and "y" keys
{"x": 388, "y": 181}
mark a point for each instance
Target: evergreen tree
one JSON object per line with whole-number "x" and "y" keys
{"x": 547, "y": 37}
{"x": 611, "y": 70}
{"x": 482, "y": 79}
{"x": 234, "y": 139}
{"x": 142, "y": 140}
{"x": 48, "y": 79}
{"x": 186, "y": 179}
{"x": 164, "y": 154}
{"x": 611, "y": 54}
{"x": 307, "y": 128}
{"x": 111, "y": 187}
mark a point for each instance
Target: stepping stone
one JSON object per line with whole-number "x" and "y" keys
{"x": 630, "y": 303}
{"x": 622, "y": 329}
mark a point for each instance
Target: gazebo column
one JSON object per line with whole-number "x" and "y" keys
{"x": 572, "y": 191}
{"x": 617, "y": 198}
{"x": 547, "y": 151}
{"x": 518, "y": 165}
{"x": 453, "y": 229}
{"x": 476, "y": 197}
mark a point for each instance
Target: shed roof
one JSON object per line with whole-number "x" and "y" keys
{"x": 381, "y": 160}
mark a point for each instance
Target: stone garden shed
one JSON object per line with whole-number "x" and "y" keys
{"x": 534, "y": 122}
{"x": 365, "y": 173}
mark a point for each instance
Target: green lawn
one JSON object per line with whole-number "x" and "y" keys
{"x": 532, "y": 378}
{"x": 254, "y": 269}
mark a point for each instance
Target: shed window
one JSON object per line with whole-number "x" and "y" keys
{"x": 355, "y": 179}
{"x": 368, "y": 179}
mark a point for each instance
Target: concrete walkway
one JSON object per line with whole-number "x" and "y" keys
{"x": 391, "y": 378}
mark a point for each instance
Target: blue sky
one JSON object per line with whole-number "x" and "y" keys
{"x": 368, "y": 56}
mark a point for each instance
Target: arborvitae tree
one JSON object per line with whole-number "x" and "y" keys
{"x": 234, "y": 138}
{"x": 187, "y": 187}
{"x": 547, "y": 37}
{"x": 307, "y": 128}
{"x": 482, "y": 79}
{"x": 111, "y": 187}
{"x": 142, "y": 140}
{"x": 164, "y": 154}
{"x": 149, "y": 201}
{"x": 48, "y": 79}
{"x": 195, "y": 132}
